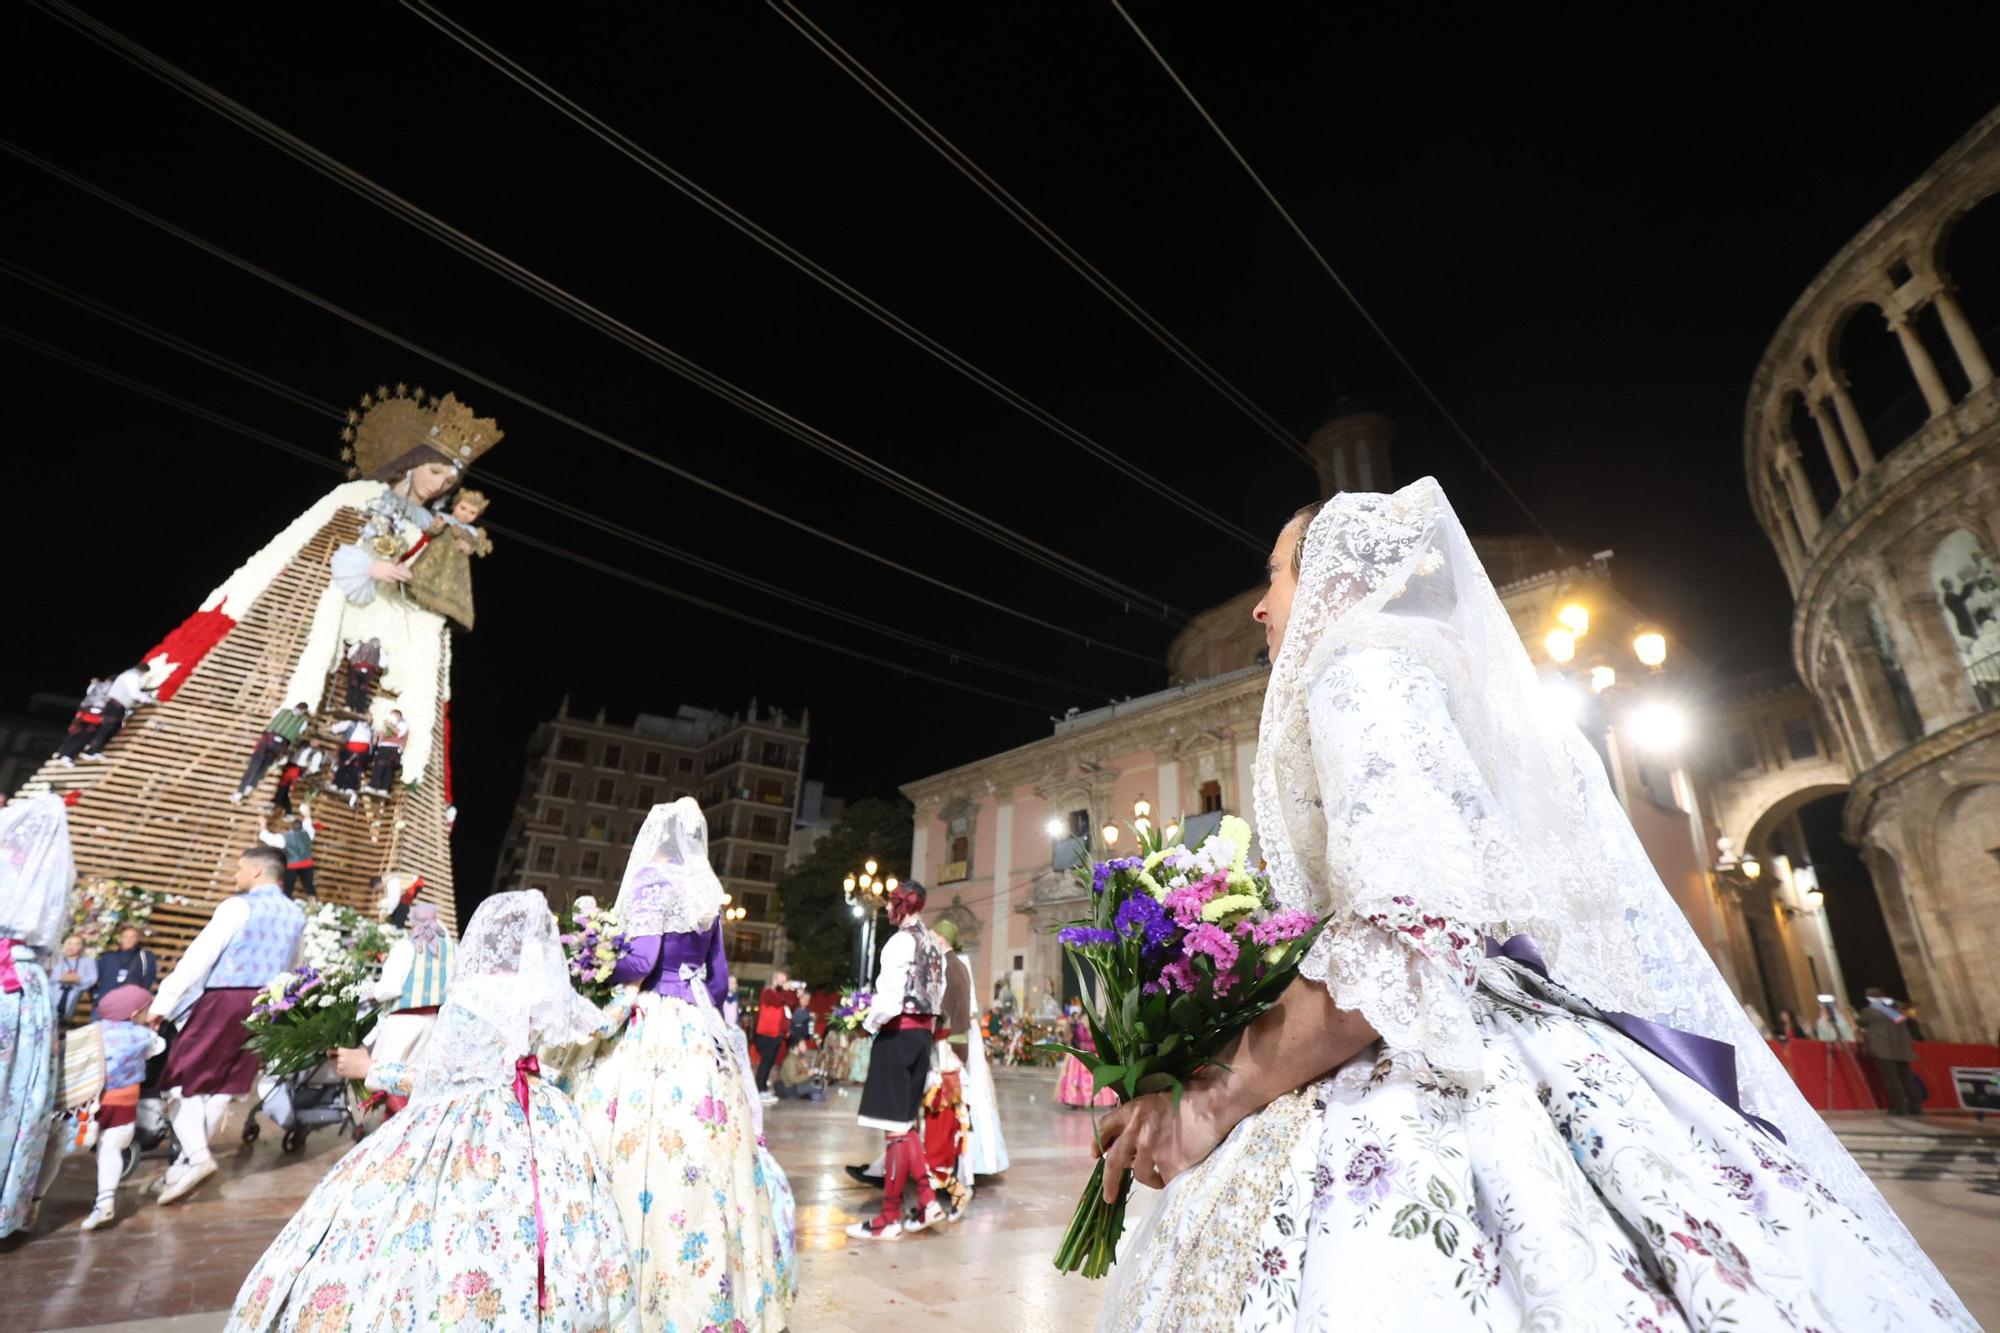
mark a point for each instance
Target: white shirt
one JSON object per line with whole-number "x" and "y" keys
{"x": 181, "y": 987}
{"x": 129, "y": 689}
{"x": 395, "y": 971}
{"x": 897, "y": 955}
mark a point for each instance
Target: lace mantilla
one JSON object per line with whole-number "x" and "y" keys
{"x": 669, "y": 886}
{"x": 36, "y": 872}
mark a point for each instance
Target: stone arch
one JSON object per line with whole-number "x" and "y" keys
{"x": 1966, "y": 254}
{"x": 1965, "y": 580}
{"x": 1965, "y": 852}
{"x": 1783, "y": 804}
{"x": 1864, "y": 357}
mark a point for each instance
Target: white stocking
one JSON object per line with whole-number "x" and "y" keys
{"x": 111, "y": 1161}
{"x": 191, "y": 1121}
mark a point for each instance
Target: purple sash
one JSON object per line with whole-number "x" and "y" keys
{"x": 1709, "y": 1062}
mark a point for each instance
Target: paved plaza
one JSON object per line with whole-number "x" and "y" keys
{"x": 175, "y": 1270}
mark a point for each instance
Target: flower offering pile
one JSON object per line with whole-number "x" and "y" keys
{"x": 1186, "y": 948}
{"x": 301, "y": 1015}
{"x": 106, "y": 906}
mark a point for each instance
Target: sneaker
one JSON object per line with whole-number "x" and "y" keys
{"x": 65, "y": 761}
{"x": 933, "y": 1214}
{"x": 102, "y": 1215}
{"x": 859, "y": 1174}
{"x": 187, "y": 1183}
{"x": 876, "y": 1229}
{"x": 236, "y": 798}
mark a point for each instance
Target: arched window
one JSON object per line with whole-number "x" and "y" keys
{"x": 1968, "y": 592}
{"x": 1882, "y": 686}
{"x": 1813, "y": 457}
{"x": 1878, "y": 377}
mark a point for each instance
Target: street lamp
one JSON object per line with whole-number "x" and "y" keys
{"x": 865, "y": 893}
{"x": 1650, "y": 648}
{"x": 1142, "y": 811}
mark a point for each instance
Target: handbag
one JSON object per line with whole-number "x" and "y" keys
{"x": 79, "y": 1088}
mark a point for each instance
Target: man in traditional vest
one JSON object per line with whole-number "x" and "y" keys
{"x": 253, "y": 936}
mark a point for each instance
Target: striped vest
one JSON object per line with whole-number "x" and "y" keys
{"x": 125, "y": 1047}
{"x": 265, "y": 945}
{"x": 429, "y": 974}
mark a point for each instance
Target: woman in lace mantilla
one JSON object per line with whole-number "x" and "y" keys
{"x": 481, "y": 1204}
{"x": 1439, "y": 1126}
{"x": 669, "y": 1102}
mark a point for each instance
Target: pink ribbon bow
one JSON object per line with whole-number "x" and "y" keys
{"x": 10, "y": 980}
{"x": 523, "y": 1067}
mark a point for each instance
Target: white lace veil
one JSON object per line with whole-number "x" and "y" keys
{"x": 509, "y": 993}
{"x": 37, "y": 872}
{"x": 1558, "y": 859}
{"x": 669, "y": 886}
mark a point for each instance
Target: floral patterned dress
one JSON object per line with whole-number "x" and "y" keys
{"x": 430, "y": 1223}
{"x": 708, "y": 1210}
{"x": 27, "y": 1086}
{"x": 1586, "y": 1185}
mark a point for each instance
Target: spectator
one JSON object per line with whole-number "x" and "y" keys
{"x": 126, "y": 965}
{"x": 75, "y": 972}
{"x": 774, "y": 1021}
{"x": 802, "y": 1023}
{"x": 1916, "y": 1028}
{"x": 1885, "y": 1038}
{"x": 1788, "y": 1027}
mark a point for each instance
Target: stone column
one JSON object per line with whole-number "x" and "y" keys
{"x": 1835, "y": 446}
{"x": 920, "y": 848}
{"x": 1850, "y": 424}
{"x": 1804, "y": 507}
{"x": 1926, "y": 371}
{"x": 1964, "y": 342}
{"x": 1868, "y": 702}
{"x": 1003, "y": 898}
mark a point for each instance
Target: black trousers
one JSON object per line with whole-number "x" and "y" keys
{"x": 270, "y": 749}
{"x": 353, "y": 764}
{"x": 1900, "y": 1079}
{"x": 360, "y": 687}
{"x": 114, "y": 718}
{"x": 385, "y": 764}
{"x": 79, "y": 735}
{"x": 767, "y": 1055}
{"x": 300, "y": 877}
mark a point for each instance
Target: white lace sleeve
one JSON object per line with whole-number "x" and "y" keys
{"x": 1419, "y": 858}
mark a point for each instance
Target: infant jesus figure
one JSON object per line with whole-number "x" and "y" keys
{"x": 441, "y": 568}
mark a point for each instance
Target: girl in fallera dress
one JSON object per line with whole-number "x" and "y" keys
{"x": 481, "y": 1205}
{"x": 1508, "y": 1089}
{"x": 670, "y": 1103}
{"x": 1074, "y": 1085}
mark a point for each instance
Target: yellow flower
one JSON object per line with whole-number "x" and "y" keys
{"x": 1152, "y": 885}
{"x": 1230, "y": 904}
{"x": 1237, "y": 831}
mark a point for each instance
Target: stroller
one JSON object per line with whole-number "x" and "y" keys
{"x": 302, "y": 1103}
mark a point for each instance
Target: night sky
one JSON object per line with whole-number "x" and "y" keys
{"x": 1586, "y": 258}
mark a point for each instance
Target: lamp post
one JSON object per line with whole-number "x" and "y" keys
{"x": 865, "y": 891}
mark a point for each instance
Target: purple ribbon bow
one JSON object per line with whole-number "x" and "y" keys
{"x": 1709, "y": 1062}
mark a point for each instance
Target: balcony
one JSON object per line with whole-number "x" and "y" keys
{"x": 951, "y": 872}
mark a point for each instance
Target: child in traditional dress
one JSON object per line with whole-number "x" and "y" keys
{"x": 481, "y": 1204}
{"x": 672, "y": 1106}
{"x": 127, "y": 1044}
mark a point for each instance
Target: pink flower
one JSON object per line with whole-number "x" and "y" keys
{"x": 1213, "y": 941}
{"x": 1280, "y": 928}
{"x": 1186, "y": 904}
{"x": 711, "y": 1112}
{"x": 1177, "y": 975}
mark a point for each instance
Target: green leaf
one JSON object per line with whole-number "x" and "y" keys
{"x": 1168, "y": 1043}
{"x": 1105, "y": 1075}
{"x": 1445, "y": 1232}
{"x": 1440, "y": 1193}
{"x": 1411, "y": 1221}
{"x": 1090, "y": 1058}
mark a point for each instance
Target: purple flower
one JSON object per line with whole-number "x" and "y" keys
{"x": 1369, "y": 1173}
{"x": 1140, "y": 915}
{"x": 1082, "y": 937}
{"x": 1104, "y": 870}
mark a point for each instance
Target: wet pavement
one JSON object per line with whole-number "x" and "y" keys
{"x": 176, "y": 1269}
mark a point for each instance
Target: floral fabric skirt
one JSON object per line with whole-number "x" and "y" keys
{"x": 1587, "y": 1186}
{"x": 707, "y": 1210}
{"x": 27, "y": 1087}
{"x": 1074, "y": 1084}
{"x": 430, "y": 1223}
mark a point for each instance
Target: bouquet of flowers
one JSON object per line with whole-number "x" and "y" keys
{"x": 106, "y": 906}
{"x": 1187, "y": 948}
{"x": 847, "y": 1015}
{"x": 594, "y": 949}
{"x": 300, "y": 1016}
{"x": 341, "y": 942}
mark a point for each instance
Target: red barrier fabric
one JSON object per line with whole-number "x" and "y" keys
{"x": 1834, "y": 1077}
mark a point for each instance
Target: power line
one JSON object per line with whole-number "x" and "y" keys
{"x": 564, "y": 553}
{"x": 300, "y": 398}
{"x": 833, "y": 282}
{"x": 1381, "y": 333}
{"x": 552, "y": 413}
{"x": 852, "y": 66}
{"x": 611, "y": 327}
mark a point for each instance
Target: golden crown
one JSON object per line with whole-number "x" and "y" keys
{"x": 393, "y": 431}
